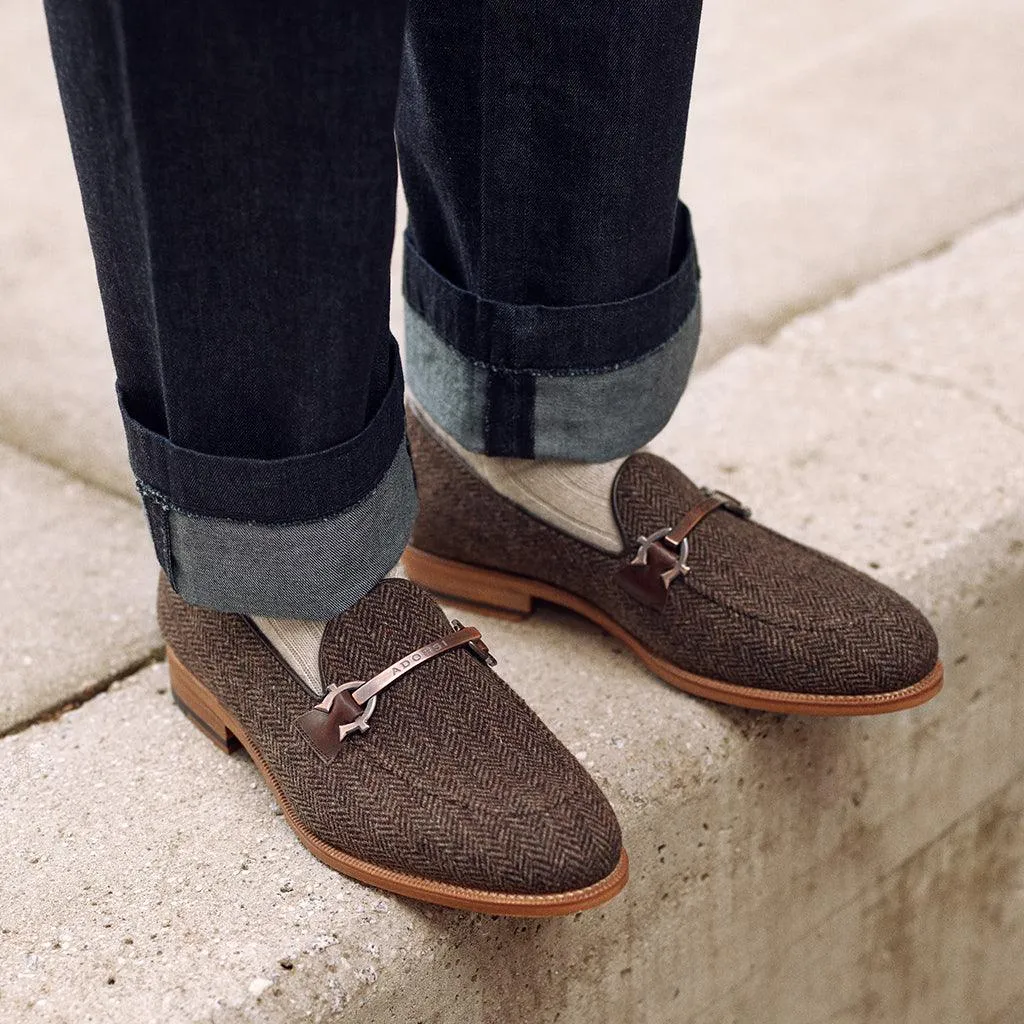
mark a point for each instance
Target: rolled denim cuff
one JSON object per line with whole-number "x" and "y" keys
{"x": 591, "y": 382}
{"x": 303, "y": 537}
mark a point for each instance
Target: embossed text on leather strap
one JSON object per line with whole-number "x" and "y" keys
{"x": 466, "y": 635}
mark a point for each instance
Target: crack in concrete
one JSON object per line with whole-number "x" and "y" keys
{"x": 969, "y": 395}
{"x": 58, "y": 710}
{"x": 774, "y": 327}
{"x": 65, "y": 470}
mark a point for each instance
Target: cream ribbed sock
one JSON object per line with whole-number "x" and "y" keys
{"x": 574, "y": 497}
{"x": 298, "y": 643}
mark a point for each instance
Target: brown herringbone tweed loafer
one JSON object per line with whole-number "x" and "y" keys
{"x": 418, "y": 770}
{"x": 711, "y": 601}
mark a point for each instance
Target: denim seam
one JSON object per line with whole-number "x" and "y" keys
{"x": 585, "y": 371}
{"x": 509, "y": 414}
{"x": 487, "y": 404}
{"x": 167, "y": 505}
{"x": 155, "y": 505}
{"x": 155, "y": 456}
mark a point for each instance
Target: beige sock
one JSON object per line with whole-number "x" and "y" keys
{"x": 574, "y": 497}
{"x": 298, "y": 643}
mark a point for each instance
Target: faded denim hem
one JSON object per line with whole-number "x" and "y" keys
{"x": 558, "y": 339}
{"x": 591, "y": 416}
{"x": 588, "y": 382}
{"x": 313, "y": 569}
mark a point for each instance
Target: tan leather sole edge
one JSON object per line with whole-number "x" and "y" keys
{"x": 219, "y": 725}
{"x": 492, "y": 592}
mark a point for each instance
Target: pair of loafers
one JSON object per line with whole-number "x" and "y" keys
{"x": 418, "y": 770}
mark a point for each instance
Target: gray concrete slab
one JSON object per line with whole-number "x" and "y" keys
{"x": 56, "y": 388}
{"x": 769, "y": 854}
{"x": 77, "y": 587}
{"x": 835, "y": 142}
{"x": 939, "y": 939}
{"x": 912, "y": 326}
{"x": 186, "y": 891}
{"x": 1011, "y": 1013}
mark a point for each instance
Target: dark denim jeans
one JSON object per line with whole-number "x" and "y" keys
{"x": 238, "y": 173}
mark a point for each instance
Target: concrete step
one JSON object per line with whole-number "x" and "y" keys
{"x": 784, "y": 870}
{"x": 56, "y": 389}
{"x": 828, "y": 142}
{"x": 944, "y": 929}
{"x": 76, "y": 589}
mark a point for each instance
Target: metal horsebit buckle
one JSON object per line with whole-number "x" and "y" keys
{"x": 678, "y": 545}
{"x": 682, "y": 553}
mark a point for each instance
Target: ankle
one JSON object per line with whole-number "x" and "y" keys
{"x": 571, "y": 496}
{"x": 297, "y": 642}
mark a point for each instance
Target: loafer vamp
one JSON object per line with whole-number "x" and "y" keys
{"x": 759, "y": 609}
{"x": 756, "y": 610}
{"x": 456, "y": 779}
{"x": 471, "y": 769}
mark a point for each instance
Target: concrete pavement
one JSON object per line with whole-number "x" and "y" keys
{"x": 788, "y": 871}
{"x": 803, "y": 870}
